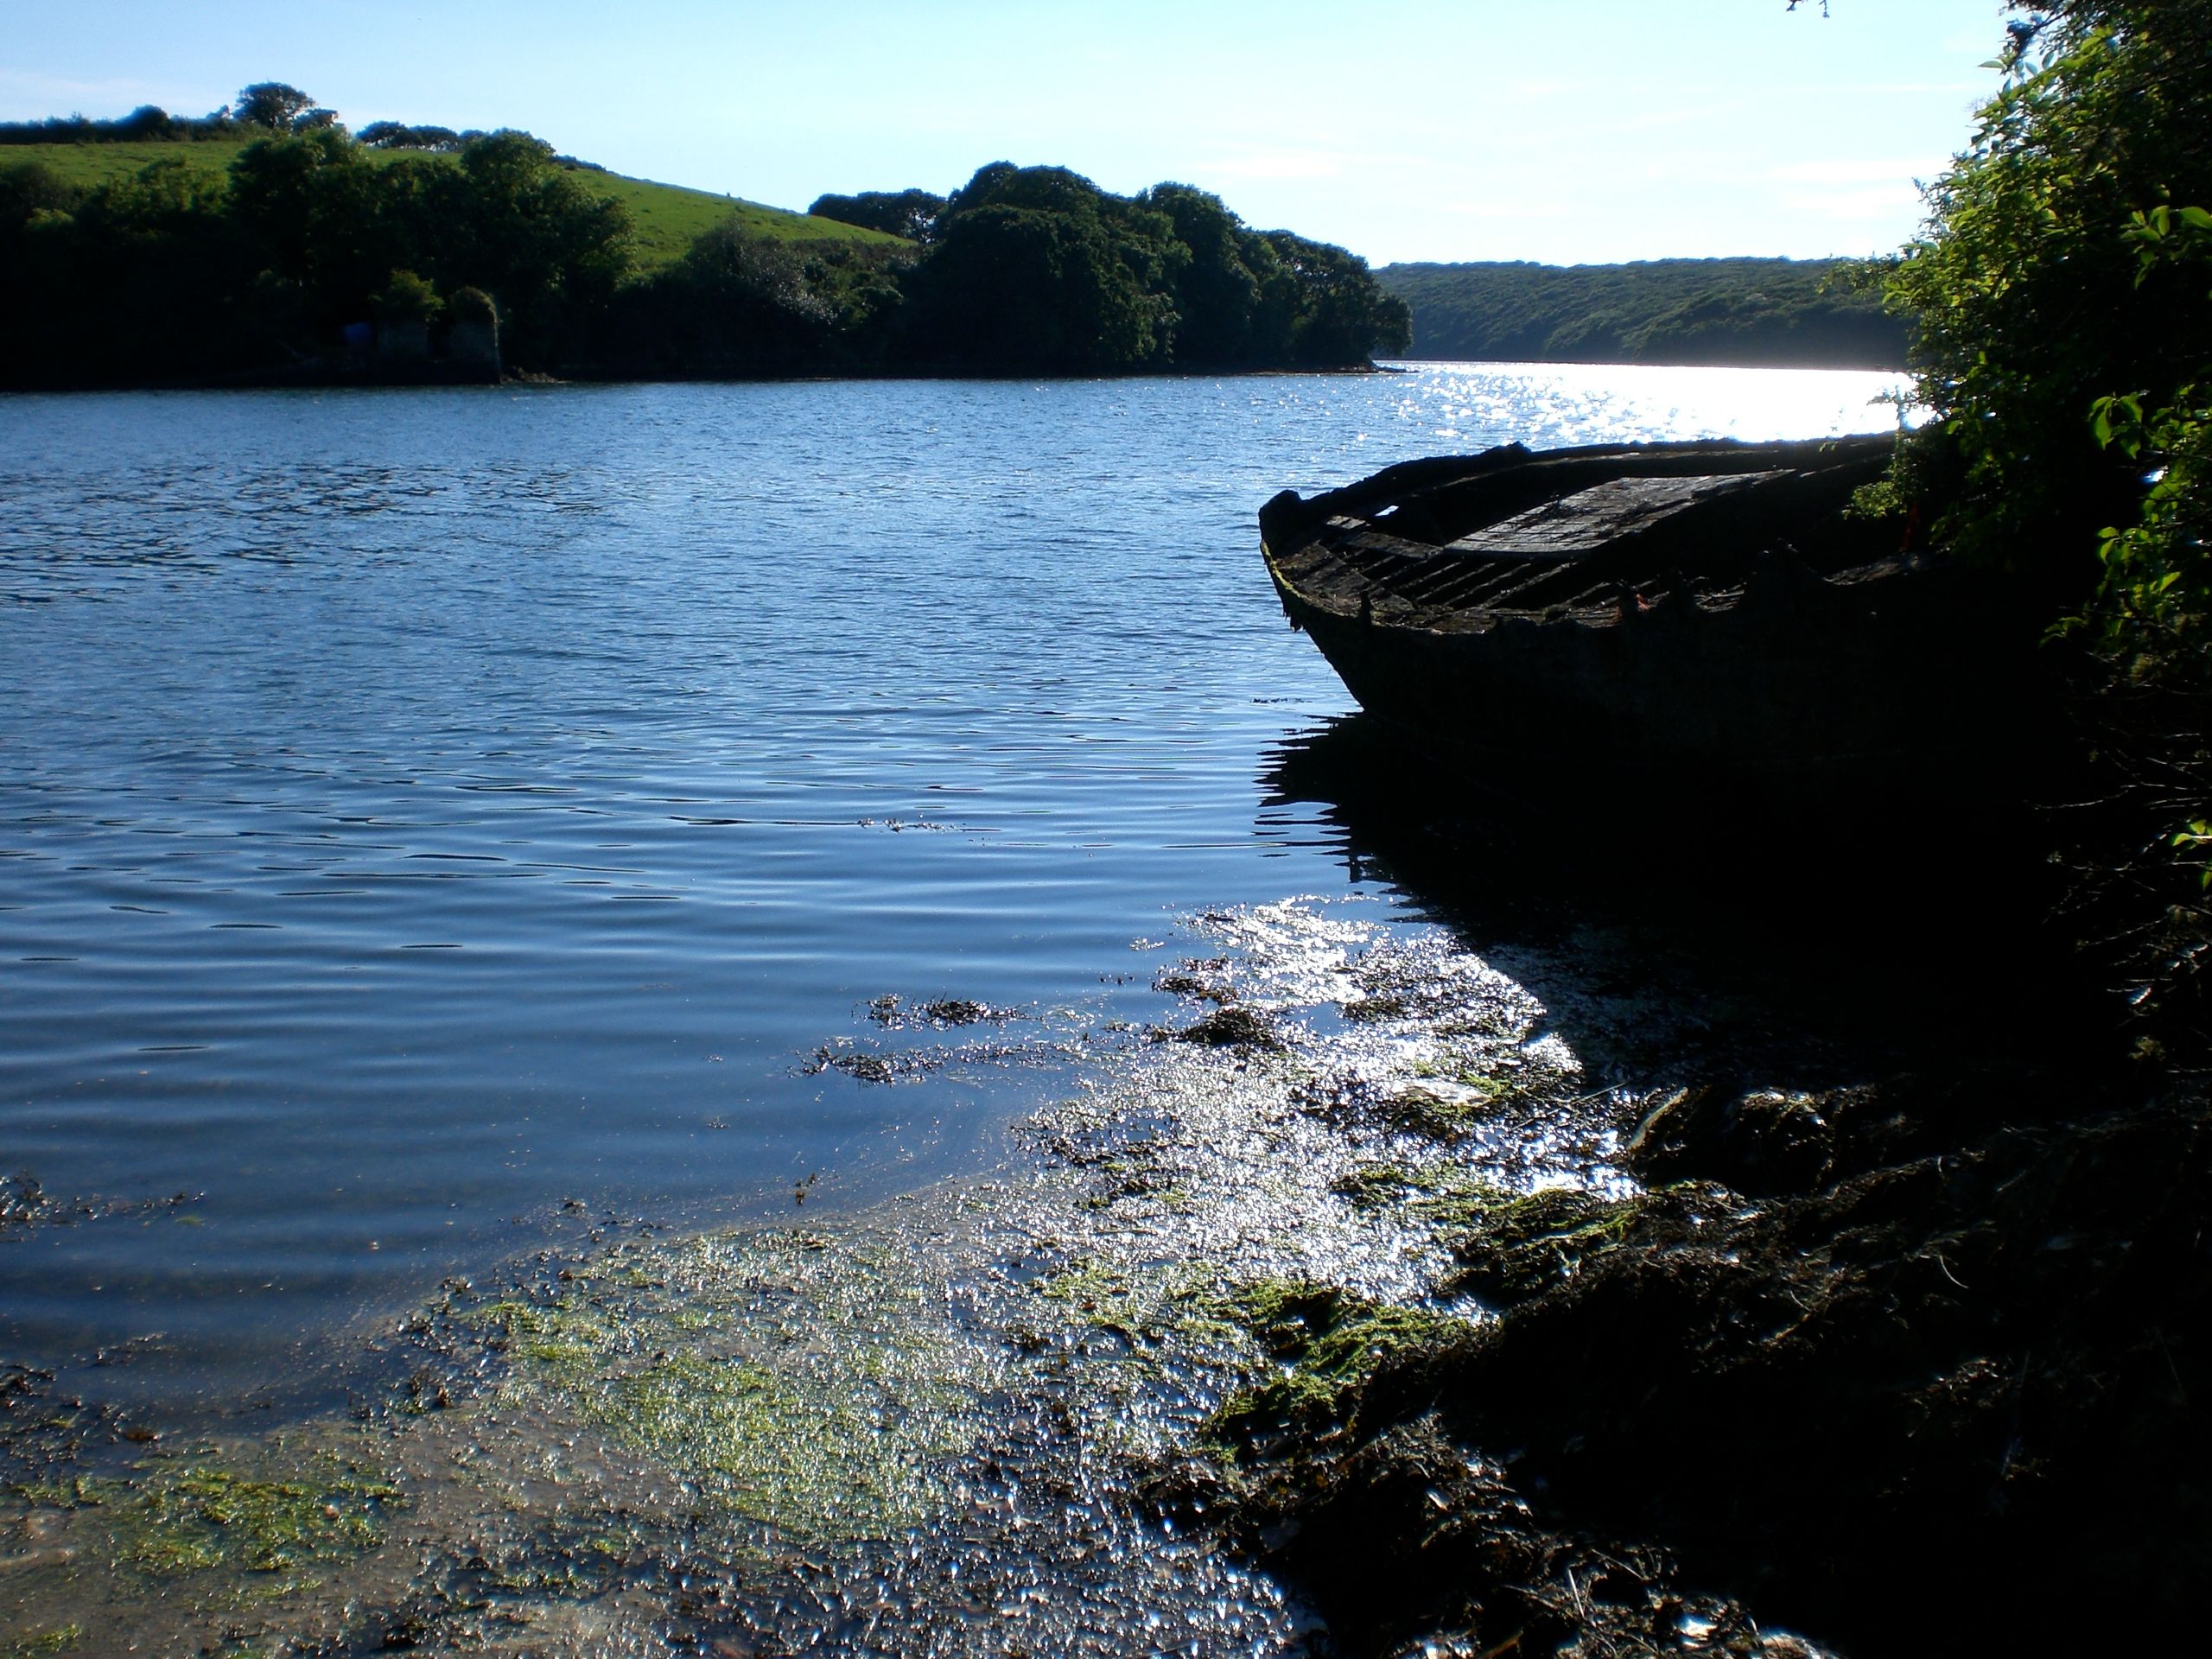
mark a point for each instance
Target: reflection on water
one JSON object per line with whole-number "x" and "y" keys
{"x": 1551, "y": 405}
{"x": 422, "y": 809}
{"x": 1710, "y": 935}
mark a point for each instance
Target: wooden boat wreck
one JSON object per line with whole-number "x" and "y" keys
{"x": 1686, "y": 613}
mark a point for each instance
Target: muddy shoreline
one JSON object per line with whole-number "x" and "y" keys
{"x": 929, "y": 1426}
{"x": 1585, "y": 1293}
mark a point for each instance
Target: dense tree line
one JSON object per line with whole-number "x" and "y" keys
{"x": 1804, "y": 312}
{"x": 172, "y": 274}
{"x": 1084, "y": 280}
{"x": 147, "y": 124}
{"x": 1020, "y": 270}
{"x": 265, "y": 106}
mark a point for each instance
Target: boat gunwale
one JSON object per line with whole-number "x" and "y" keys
{"x": 1341, "y": 581}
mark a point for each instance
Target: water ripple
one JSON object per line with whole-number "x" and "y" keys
{"x": 406, "y": 795}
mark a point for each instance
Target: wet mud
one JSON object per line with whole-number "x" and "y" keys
{"x": 1898, "y": 1341}
{"x": 932, "y": 1426}
{"x": 1375, "y": 1303}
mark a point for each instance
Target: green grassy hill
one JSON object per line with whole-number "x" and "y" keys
{"x": 83, "y": 166}
{"x": 666, "y": 217}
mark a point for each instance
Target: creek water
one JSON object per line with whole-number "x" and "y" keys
{"x": 423, "y": 810}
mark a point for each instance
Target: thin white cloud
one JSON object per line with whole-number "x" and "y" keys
{"x": 1278, "y": 164}
{"x": 42, "y": 95}
{"x": 1507, "y": 212}
{"x": 1537, "y": 92}
{"x": 1840, "y": 171}
{"x": 1857, "y": 206}
{"x": 1974, "y": 89}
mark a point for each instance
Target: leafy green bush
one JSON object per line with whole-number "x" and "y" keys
{"x": 406, "y": 298}
{"x": 2044, "y": 311}
{"x": 473, "y": 305}
{"x": 2155, "y": 600}
{"x": 2063, "y": 295}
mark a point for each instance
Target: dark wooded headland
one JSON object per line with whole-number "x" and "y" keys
{"x": 417, "y": 252}
{"x": 1769, "y": 313}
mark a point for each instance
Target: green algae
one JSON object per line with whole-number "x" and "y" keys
{"x": 701, "y": 1438}
{"x": 1445, "y": 1195}
{"x": 1145, "y": 1306}
{"x": 1509, "y": 1249}
{"x": 566, "y": 1336}
{"x": 204, "y": 1516}
{"x": 1508, "y": 1246}
{"x": 1432, "y": 1114}
{"x": 580, "y": 1558}
{"x": 1450, "y": 1070}
{"x": 784, "y": 1378}
{"x": 1328, "y": 1342}
{"x": 1375, "y": 1186}
{"x": 66, "y": 1638}
{"x": 220, "y": 1535}
{"x": 797, "y": 1458}
{"x": 1136, "y": 1169}
{"x": 65, "y": 1492}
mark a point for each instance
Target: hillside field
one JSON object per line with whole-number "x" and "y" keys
{"x": 665, "y": 217}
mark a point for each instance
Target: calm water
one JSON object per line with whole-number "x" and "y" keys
{"x": 419, "y": 809}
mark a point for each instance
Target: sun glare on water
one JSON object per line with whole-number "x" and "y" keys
{"x": 1551, "y": 405}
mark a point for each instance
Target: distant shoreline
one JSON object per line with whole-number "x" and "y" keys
{"x": 1730, "y": 312}
{"x": 527, "y": 380}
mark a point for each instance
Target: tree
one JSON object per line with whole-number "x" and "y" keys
{"x": 146, "y": 123}
{"x": 1339, "y": 314}
{"x": 2059, "y": 294}
{"x": 737, "y": 304}
{"x": 406, "y": 298}
{"x": 912, "y": 215}
{"x": 143, "y": 276}
{"x": 1217, "y": 293}
{"x": 272, "y": 104}
{"x": 307, "y": 201}
{"x": 393, "y": 135}
{"x": 1018, "y": 289}
{"x": 2063, "y": 294}
{"x": 1036, "y": 270}
{"x": 506, "y": 217}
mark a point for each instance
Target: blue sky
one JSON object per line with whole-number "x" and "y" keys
{"x": 1555, "y": 129}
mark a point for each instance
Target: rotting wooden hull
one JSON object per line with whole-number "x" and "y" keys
{"x": 1892, "y": 675}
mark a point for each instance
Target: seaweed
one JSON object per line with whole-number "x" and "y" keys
{"x": 1328, "y": 1342}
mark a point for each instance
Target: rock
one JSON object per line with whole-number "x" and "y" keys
{"x": 1231, "y": 1027}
